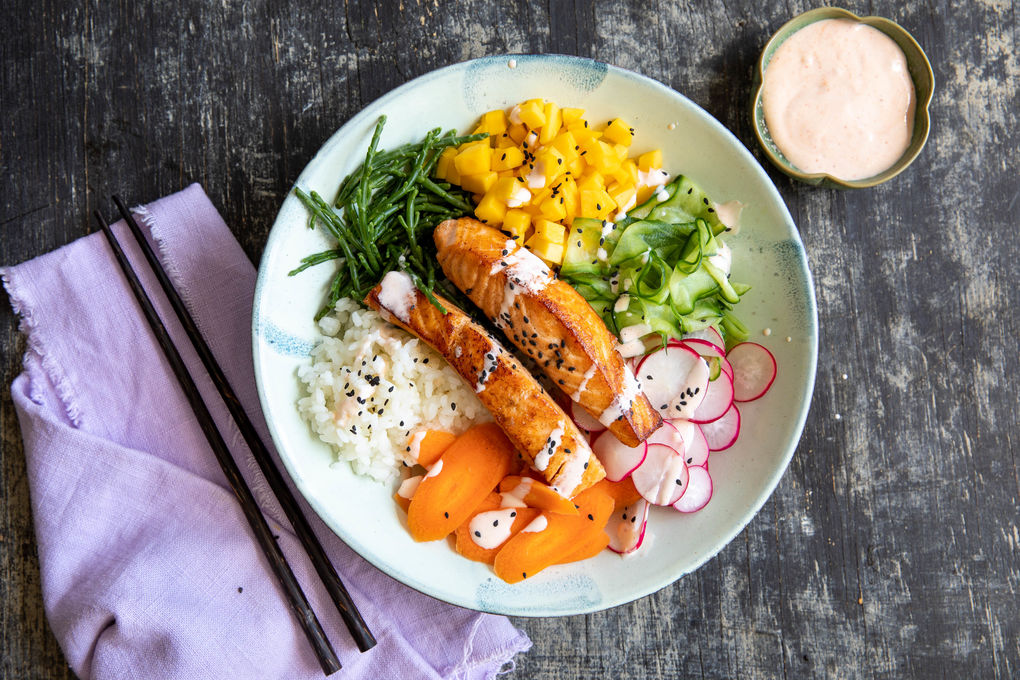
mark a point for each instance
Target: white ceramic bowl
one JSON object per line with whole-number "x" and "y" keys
{"x": 768, "y": 254}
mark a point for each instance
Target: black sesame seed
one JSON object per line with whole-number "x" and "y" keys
{"x": 591, "y": 517}
{"x": 446, "y": 515}
{"x": 478, "y": 533}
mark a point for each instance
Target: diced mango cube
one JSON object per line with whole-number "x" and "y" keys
{"x": 591, "y": 180}
{"x": 625, "y": 197}
{"x": 619, "y": 132}
{"x": 503, "y": 188}
{"x": 549, "y": 162}
{"x": 507, "y": 158}
{"x": 490, "y": 209}
{"x": 480, "y": 183}
{"x": 517, "y": 221}
{"x": 533, "y": 113}
{"x": 550, "y": 231}
{"x": 494, "y": 122}
{"x": 571, "y": 115}
{"x": 596, "y": 203}
{"x": 583, "y": 131}
{"x": 552, "y": 123}
{"x": 517, "y": 132}
{"x": 602, "y": 157}
{"x": 474, "y": 160}
{"x": 649, "y": 160}
{"x": 445, "y": 162}
{"x": 553, "y": 208}
{"x": 545, "y": 249}
{"x": 566, "y": 144}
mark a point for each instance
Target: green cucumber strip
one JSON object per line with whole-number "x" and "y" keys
{"x": 659, "y": 237}
{"x": 725, "y": 289}
{"x": 687, "y": 203}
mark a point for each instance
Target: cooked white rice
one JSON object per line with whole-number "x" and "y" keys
{"x": 371, "y": 386}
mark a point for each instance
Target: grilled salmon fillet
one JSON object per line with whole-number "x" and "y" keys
{"x": 542, "y": 433}
{"x": 549, "y": 321}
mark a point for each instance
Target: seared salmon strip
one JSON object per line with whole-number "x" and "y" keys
{"x": 549, "y": 321}
{"x": 542, "y": 433}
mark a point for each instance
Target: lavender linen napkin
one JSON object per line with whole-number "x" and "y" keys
{"x": 148, "y": 566}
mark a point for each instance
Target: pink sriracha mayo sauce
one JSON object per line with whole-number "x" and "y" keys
{"x": 838, "y": 99}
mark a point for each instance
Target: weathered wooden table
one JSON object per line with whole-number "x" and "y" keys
{"x": 891, "y": 547}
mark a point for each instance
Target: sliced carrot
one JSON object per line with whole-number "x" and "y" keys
{"x": 529, "y": 552}
{"x": 538, "y": 495}
{"x": 459, "y": 481}
{"x": 431, "y": 445}
{"x": 623, "y": 491}
{"x": 404, "y": 503}
{"x": 589, "y": 544}
{"x": 467, "y": 547}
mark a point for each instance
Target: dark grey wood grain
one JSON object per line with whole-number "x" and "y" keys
{"x": 891, "y": 547}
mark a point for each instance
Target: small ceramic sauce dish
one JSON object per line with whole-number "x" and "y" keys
{"x": 847, "y": 98}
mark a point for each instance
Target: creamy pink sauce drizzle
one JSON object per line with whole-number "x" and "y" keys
{"x": 838, "y": 99}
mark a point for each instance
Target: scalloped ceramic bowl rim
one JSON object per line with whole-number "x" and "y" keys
{"x": 659, "y": 575}
{"x": 922, "y": 115}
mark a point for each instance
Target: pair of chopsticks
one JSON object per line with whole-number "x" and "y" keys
{"x": 299, "y": 603}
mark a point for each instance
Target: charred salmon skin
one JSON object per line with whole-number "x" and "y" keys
{"x": 549, "y": 321}
{"x": 542, "y": 433}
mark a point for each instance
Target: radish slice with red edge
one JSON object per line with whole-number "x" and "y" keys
{"x": 704, "y": 347}
{"x": 721, "y": 434}
{"x": 666, "y": 373}
{"x": 617, "y": 458}
{"x": 699, "y": 490}
{"x": 661, "y": 479}
{"x": 626, "y": 527}
{"x": 585, "y": 420}
{"x": 710, "y": 334}
{"x": 726, "y": 367}
{"x": 670, "y": 435}
{"x": 754, "y": 370}
{"x": 716, "y": 401}
{"x": 696, "y": 450}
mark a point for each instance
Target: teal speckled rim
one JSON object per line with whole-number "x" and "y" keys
{"x": 920, "y": 72}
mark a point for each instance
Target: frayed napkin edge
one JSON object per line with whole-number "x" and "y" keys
{"x": 28, "y": 326}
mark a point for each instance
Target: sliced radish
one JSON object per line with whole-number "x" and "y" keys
{"x": 710, "y": 334}
{"x": 667, "y": 372}
{"x": 699, "y": 490}
{"x": 617, "y": 458}
{"x": 696, "y": 449}
{"x": 721, "y": 434}
{"x": 669, "y": 435}
{"x": 626, "y": 527}
{"x": 705, "y": 348}
{"x": 754, "y": 370}
{"x": 585, "y": 420}
{"x": 690, "y": 394}
{"x": 726, "y": 367}
{"x": 716, "y": 401}
{"x": 661, "y": 479}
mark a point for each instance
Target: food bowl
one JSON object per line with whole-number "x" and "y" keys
{"x": 920, "y": 73}
{"x": 767, "y": 254}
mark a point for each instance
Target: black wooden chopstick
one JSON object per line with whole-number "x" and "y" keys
{"x": 323, "y": 566}
{"x": 277, "y": 561}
